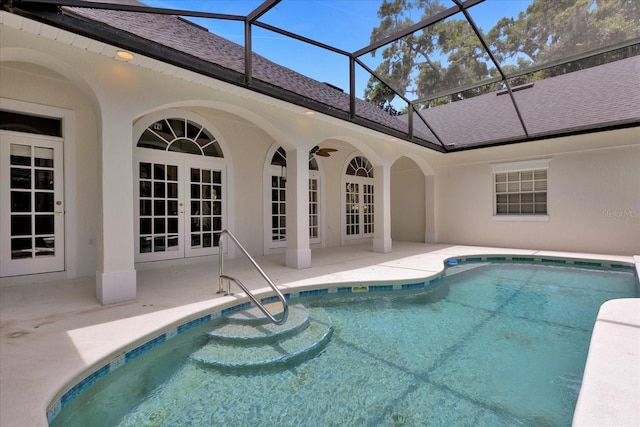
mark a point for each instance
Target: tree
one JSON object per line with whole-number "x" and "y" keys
{"x": 448, "y": 54}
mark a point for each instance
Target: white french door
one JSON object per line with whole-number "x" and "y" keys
{"x": 179, "y": 206}
{"x": 359, "y": 206}
{"x": 31, "y": 204}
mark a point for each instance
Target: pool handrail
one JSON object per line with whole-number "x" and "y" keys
{"x": 222, "y": 276}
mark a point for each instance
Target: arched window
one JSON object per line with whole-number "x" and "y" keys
{"x": 360, "y": 166}
{"x": 359, "y": 198}
{"x": 180, "y": 136}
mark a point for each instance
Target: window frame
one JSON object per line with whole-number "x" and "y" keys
{"x": 520, "y": 167}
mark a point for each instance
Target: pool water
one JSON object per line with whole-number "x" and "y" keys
{"x": 496, "y": 345}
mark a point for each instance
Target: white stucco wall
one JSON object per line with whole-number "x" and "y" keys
{"x": 408, "y": 204}
{"x": 593, "y": 196}
{"x": 37, "y": 85}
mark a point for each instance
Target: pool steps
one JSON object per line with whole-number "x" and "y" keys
{"x": 249, "y": 343}
{"x": 251, "y": 326}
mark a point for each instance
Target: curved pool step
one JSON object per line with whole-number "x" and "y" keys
{"x": 278, "y": 352}
{"x": 237, "y": 329}
{"x": 254, "y": 316}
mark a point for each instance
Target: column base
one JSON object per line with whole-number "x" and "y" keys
{"x": 382, "y": 246}
{"x": 298, "y": 258}
{"x": 115, "y": 286}
{"x": 431, "y": 237}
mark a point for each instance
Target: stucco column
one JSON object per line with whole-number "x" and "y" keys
{"x": 298, "y": 250}
{"x": 116, "y": 275}
{"x": 382, "y": 206}
{"x": 430, "y": 234}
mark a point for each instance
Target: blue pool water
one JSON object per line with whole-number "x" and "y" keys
{"x": 497, "y": 345}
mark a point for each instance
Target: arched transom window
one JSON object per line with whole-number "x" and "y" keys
{"x": 360, "y": 166}
{"x": 181, "y": 136}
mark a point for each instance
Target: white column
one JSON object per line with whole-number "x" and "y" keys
{"x": 298, "y": 251}
{"x": 382, "y": 206}
{"x": 430, "y": 235}
{"x": 116, "y": 275}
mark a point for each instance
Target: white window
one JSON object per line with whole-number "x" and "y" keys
{"x": 278, "y": 212}
{"x": 359, "y": 199}
{"x": 520, "y": 189}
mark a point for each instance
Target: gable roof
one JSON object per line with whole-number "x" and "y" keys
{"x": 603, "y": 97}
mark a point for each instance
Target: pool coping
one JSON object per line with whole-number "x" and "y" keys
{"x": 593, "y": 385}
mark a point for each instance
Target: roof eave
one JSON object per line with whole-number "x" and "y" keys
{"x": 623, "y": 124}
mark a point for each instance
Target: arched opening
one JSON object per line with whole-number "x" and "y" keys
{"x": 408, "y": 204}
{"x": 276, "y": 198}
{"x": 180, "y": 187}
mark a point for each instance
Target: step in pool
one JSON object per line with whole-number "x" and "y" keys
{"x": 241, "y": 344}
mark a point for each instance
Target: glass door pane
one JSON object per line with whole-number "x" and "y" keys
{"x": 32, "y": 218}
{"x": 159, "y": 210}
{"x": 206, "y": 207}
{"x": 314, "y": 209}
{"x": 352, "y": 208}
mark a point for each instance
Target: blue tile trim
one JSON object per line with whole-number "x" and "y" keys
{"x": 345, "y": 290}
{"x": 623, "y": 266}
{"x": 236, "y": 308}
{"x": 314, "y": 292}
{"x": 496, "y": 258}
{"x": 523, "y": 259}
{"x": 554, "y": 261}
{"x": 130, "y": 355}
{"x": 473, "y": 259}
{"x": 194, "y": 323}
{"x": 588, "y": 263}
{"x": 380, "y": 288}
{"x": 267, "y": 300}
{"x": 413, "y": 285}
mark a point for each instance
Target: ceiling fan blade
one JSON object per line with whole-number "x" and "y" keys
{"x": 321, "y": 153}
{"x": 328, "y": 150}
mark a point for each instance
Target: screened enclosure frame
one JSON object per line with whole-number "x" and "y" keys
{"x": 419, "y": 128}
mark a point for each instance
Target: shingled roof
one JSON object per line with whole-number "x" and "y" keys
{"x": 595, "y": 97}
{"x": 185, "y": 37}
{"x": 602, "y": 97}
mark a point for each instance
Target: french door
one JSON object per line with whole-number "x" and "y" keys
{"x": 179, "y": 206}
{"x": 31, "y": 204}
{"x": 359, "y": 206}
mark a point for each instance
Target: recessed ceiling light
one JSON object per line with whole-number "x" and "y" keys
{"x": 310, "y": 113}
{"x": 125, "y": 55}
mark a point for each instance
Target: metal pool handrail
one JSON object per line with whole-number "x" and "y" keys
{"x": 285, "y": 306}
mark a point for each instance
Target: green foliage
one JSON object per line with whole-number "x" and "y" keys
{"x": 448, "y": 54}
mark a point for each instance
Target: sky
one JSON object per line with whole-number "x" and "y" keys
{"x": 344, "y": 24}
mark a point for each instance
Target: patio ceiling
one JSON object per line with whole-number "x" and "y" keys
{"x": 587, "y": 84}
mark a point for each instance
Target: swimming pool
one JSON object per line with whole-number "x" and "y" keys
{"x": 501, "y": 344}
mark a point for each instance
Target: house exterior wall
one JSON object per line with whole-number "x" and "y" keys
{"x": 593, "y": 196}
{"x": 33, "y": 84}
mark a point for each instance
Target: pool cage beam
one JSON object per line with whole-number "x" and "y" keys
{"x": 252, "y": 19}
{"x": 495, "y": 62}
{"x": 410, "y": 104}
{"x": 47, "y": 15}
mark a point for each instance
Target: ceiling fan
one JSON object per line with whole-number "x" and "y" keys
{"x": 322, "y": 152}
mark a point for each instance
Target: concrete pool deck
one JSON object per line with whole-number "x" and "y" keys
{"x": 51, "y": 333}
